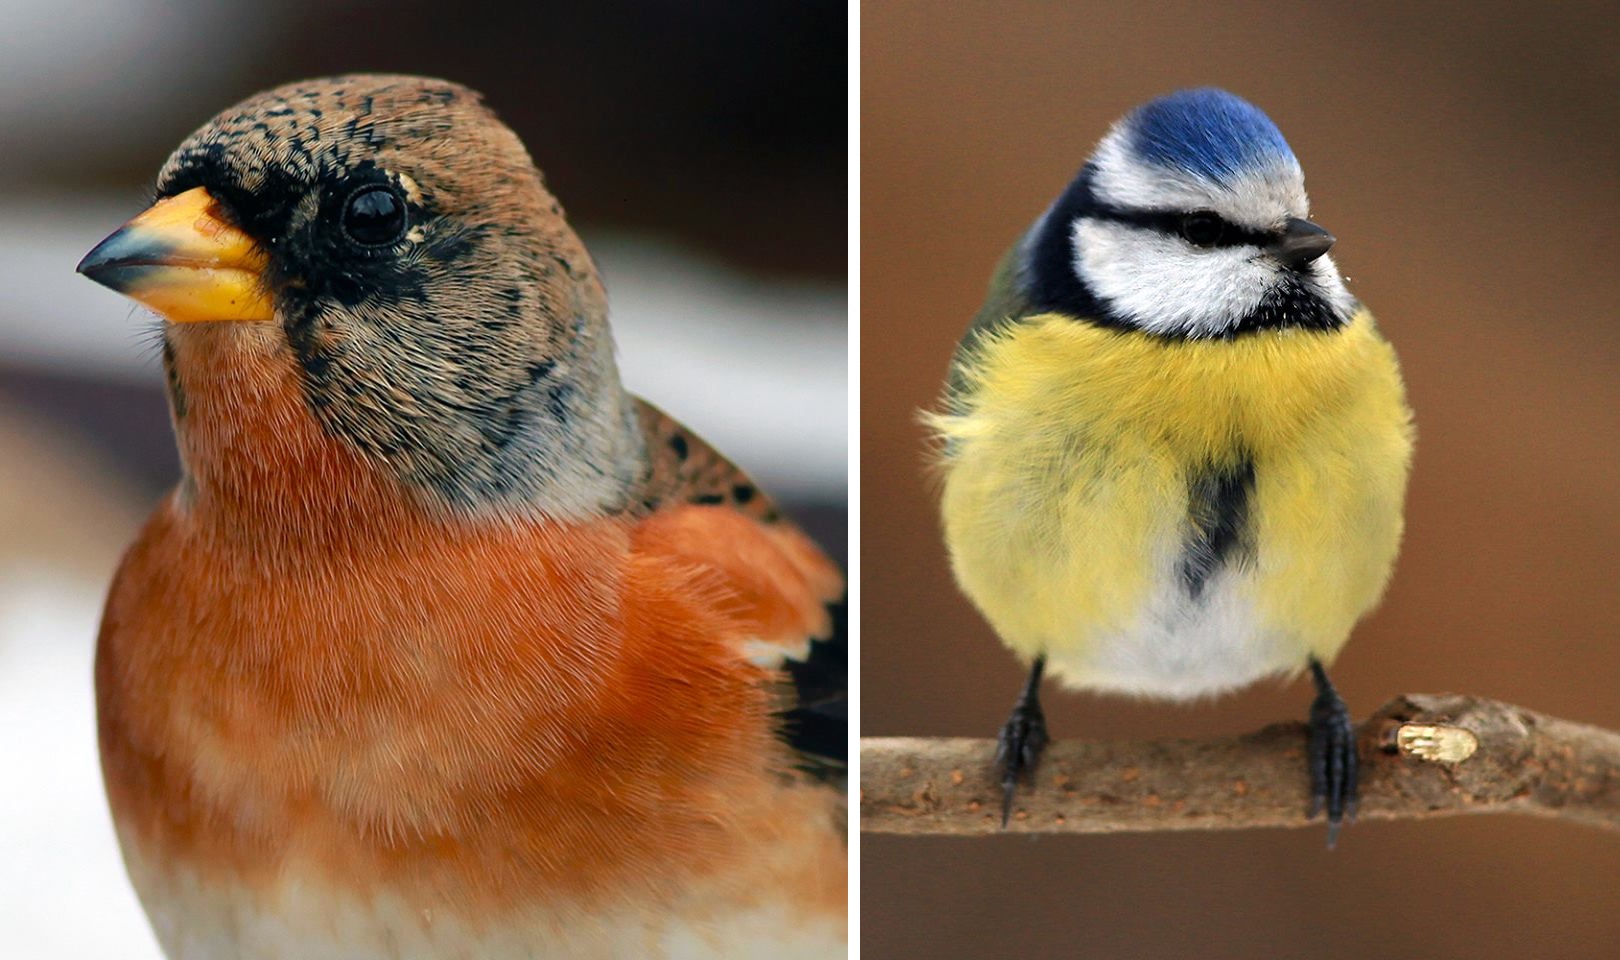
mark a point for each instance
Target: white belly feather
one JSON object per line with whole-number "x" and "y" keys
{"x": 199, "y": 920}
{"x": 1178, "y": 646}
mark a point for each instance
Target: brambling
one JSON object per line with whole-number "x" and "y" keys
{"x": 445, "y": 645}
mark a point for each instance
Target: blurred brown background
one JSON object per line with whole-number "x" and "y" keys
{"x": 1464, "y": 154}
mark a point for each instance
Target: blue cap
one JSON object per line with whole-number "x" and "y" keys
{"x": 1208, "y": 132}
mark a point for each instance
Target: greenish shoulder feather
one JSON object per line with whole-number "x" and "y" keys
{"x": 1005, "y": 303}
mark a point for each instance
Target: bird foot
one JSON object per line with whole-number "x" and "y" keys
{"x": 1018, "y": 750}
{"x": 1332, "y": 757}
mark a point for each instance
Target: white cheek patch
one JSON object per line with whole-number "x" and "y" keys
{"x": 1163, "y": 285}
{"x": 1329, "y": 282}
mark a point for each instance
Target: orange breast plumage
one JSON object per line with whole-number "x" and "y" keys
{"x": 445, "y": 645}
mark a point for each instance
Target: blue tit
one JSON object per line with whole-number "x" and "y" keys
{"x": 1174, "y": 446}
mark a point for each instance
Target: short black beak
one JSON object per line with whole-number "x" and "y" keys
{"x": 1300, "y": 242}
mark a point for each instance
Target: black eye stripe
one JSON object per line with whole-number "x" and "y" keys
{"x": 1170, "y": 222}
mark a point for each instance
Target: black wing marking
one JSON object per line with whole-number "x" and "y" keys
{"x": 816, "y": 725}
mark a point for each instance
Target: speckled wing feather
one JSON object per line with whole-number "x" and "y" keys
{"x": 682, "y": 467}
{"x": 778, "y": 570}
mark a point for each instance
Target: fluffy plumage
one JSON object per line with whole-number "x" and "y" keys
{"x": 446, "y": 645}
{"x": 1175, "y": 448}
{"x": 1083, "y": 498}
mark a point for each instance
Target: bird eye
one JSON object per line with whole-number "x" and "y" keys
{"x": 1202, "y": 229}
{"x": 374, "y": 216}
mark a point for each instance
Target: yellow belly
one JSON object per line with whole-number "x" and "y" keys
{"x": 1067, "y": 484}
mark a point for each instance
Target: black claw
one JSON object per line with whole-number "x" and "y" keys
{"x": 1332, "y": 756}
{"x": 1019, "y": 750}
{"x": 1023, "y": 738}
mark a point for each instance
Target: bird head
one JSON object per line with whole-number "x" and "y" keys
{"x": 390, "y": 243}
{"x": 1189, "y": 220}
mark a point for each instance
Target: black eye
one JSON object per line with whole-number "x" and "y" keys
{"x": 1202, "y": 229}
{"x": 374, "y": 216}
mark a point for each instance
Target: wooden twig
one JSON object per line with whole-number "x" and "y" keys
{"x": 1421, "y": 756}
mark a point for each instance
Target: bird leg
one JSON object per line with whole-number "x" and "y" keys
{"x": 1022, "y": 739}
{"x": 1332, "y": 755}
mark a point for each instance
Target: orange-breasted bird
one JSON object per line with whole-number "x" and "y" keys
{"x": 445, "y": 645}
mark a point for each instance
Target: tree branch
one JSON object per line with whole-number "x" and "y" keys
{"x": 1421, "y": 756}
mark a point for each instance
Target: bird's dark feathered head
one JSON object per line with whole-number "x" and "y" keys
{"x": 445, "y": 318}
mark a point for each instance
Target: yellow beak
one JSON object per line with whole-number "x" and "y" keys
{"x": 182, "y": 259}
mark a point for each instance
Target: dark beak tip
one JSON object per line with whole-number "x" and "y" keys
{"x": 1302, "y": 242}
{"x": 116, "y": 260}
{"x": 100, "y": 255}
